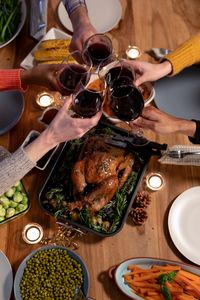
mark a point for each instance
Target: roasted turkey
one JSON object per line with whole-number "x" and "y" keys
{"x": 100, "y": 170}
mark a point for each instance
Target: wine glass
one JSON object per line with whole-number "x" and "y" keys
{"x": 88, "y": 100}
{"x": 73, "y": 73}
{"x": 98, "y": 48}
{"x": 115, "y": 69}
{"x": 125, "y": 99}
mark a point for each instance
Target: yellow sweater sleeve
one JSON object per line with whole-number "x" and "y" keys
{"x": 185, "y": 55}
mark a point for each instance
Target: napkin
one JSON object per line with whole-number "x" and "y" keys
{"x": 38, "y": 18}
{"x": 193, "y": 160}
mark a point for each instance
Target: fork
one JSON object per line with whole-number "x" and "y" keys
{"x": 181, "y": 154}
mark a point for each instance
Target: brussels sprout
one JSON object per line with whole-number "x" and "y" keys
{"x": 10, "y": 192}
{"x": 10, "y": 212}
{"x": 19, "y": 186}
{"x": 2, "y": 212}
{"x": 24, "y": 200}
{"x": 17, "y": 197}
{"x": 21, "y": 207}
{"x": 2, "y": 219}
{"x": 13, "y": 203}
{"x": 4, "y": 201}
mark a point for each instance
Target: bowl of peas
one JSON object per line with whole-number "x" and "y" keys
{"x": 50, "y": 272}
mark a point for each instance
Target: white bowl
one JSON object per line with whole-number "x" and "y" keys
{"x": 21, "y": 24}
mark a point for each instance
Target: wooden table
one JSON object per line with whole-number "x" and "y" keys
{"x": 145, "y": 24}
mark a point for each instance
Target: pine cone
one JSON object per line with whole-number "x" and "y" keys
{"x": 142, "y": 199}
{"x": 138, "y": 215}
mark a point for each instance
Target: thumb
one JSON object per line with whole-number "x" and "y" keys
{"x": 140, "y": 80}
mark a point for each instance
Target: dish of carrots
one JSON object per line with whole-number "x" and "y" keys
{"x": 168, "y": 282}
{"x": 144, "y": 278}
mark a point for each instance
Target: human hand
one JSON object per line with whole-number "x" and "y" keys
{"x": 64, "y": 127}
{"x": 44, "y": 75}
{"x": 149, "y": 72}
{"x": 80, "y": 35}
{"x": 82, "y": 28}
{"x": 163, "y": 123}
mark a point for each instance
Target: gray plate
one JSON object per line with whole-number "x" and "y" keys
{"x": 11, "y": 109}
{"x": 180, "y": 95}
{"x": 22, "y": 266}
{"x": 6, "y": 276}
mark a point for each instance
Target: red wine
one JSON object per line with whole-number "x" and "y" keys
{"x": 126, "y": 102}
{"x": 71, "y": 76}
{"x": 49, "y": 116}
{"x": 87, "y": 103}
{"x": 116, "y": 73}
{"x": 98, "y": 52}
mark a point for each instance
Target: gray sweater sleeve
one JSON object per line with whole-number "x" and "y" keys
{"x": 13, "y": 167}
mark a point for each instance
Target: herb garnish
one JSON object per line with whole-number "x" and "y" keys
{"x": 162, "y": 279}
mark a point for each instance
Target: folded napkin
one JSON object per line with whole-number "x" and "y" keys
{"x": 38, "y": 18}
{"x": 192, "y": 160}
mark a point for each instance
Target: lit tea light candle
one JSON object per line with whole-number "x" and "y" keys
{"x": 32, "y": 233}
{"x": 154, "y": 181}
{"x": 44, "y": 99}
{"x": 133, "y": 52}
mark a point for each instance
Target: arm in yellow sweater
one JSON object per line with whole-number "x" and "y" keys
{"x": 185, "y": 55}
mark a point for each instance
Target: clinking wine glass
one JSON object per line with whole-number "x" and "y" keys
{"x": 115, "y": 69}
{"x": 98, "y": 48}
{"x": 125, "y": 99}
{"x": 72, "y": 74}
{"x": 88, "y": 100}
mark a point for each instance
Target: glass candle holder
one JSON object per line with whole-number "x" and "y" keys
{"x": 44, "y": 100}
{"x": 32, "y": 233}
{"x": 133, "y": 52}
{"x": 154, "y": 181}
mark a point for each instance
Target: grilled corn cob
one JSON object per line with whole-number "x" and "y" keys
{"x": 58, "y": 43}
{"x": 54, "y": 62}
{"x": 51, "y": 54}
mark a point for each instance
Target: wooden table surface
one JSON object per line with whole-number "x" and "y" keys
{"x": 155, "y": 23}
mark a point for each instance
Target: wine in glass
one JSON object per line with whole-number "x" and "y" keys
{"x": 125, "y": 99}
{"x": 98, "y": 48}
{"x": 87, "y": 101}
{"x": 72, "y": 74}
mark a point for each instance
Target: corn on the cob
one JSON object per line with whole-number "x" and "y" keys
{"x": 55, "y": 62}
{"x": 51, "y": 54}
{"x": 58, "y": 43}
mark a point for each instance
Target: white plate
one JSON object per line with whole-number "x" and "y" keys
{"x": 11, "y": 109}
{"x": 6, "y": 277}
{"x": 103, "y": 14}
{"x": 21, "y": 24}
{"x": 180, "y": 95}
{"x": 184, "y": 223}
{"x": 145, "y": 263}
{"x": 53, "y": 33}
